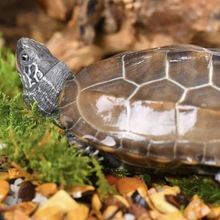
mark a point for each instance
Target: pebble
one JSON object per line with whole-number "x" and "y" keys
{"x": 20, "y": 211}
{"x": 50, "y": 213}
{"x": 77, "y": 190}
{"x": 40, "y": 199}
{"x": 26, "y": 191}
{"x": 96, "y": 205}
{"x": 214, "y": 213}
{"x": 127, "y": 186}
{"x": 135, "y": 201}
{"x": 160, "y": 203}
{"x": 59, "y": 204}
{"x": 16, "y": 214}
{"x": 129, "y": 216}
{"x": 4, "y": 189}
{"x": 122, "y": 200}
{"x": 12, "y": 198}
{"x": 196, "y": 209}
{"x": 47, "y": 189}
{"x": 112, "y": 211}
{"x": 4, "y": 175}
{"x": 80, "y": 212}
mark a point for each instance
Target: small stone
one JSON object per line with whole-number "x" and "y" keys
{"x": 160, "y": 203}
{"x": 40, "y": 199}
{"x": 170, "y": 216}
{"x": 96, "y": 204}
{"x": 196, "y": 209}
{"x": 112, "y": 212}
{"x": 174, "y": 215}
{"x": 214, "y": 213}
{"x": 139, "y": 211}
{"x": 139, "y": 200}
{"x": 172, "y": 199}
{"x": 16, "y": 214}
{"x": 122, "y": 200}
{"x": 20, "y": 211}
{"x": 127, "y": 186}
{"x": 4, "y": 175}
{"x": 14, "y": 173}
{"x": 47, "y": 189}
{"x": 77, "y": 190}
{"x": 4, "y": 189}
{"x": 3, "y": 207}
{"x": 62, "y": 202}
{"x": 174, "y": 189}
{"x": 111, "y": 179}
{"x": 26, "y": 191}
{"x": 50, "y": 213}
{"x": 26, "y": 207}
{"x": 80, "y": 212}
{"x": 128, "y": 216}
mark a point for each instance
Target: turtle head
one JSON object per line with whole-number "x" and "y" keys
{"x": 42, "y": 75}
{"x": 33, "y": 61}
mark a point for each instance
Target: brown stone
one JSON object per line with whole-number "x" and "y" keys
{"x": 159, "y": 200}
{"x": 16, "y": 215}
{"x": 196, "y": 209}
{"x": 127, "y": 186}
{"x": 47, "y": 189}
{"x": 4, "y": 189}
{"x": 80, "y": 212}
{"x": 58, "y": 205}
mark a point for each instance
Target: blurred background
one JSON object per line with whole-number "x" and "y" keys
{"x": 80, "y": 32}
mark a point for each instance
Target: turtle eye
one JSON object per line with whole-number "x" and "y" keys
{"x": 25, "y": 57}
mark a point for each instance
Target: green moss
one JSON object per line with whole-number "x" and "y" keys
{"x": 36, "y": 144}
{"x": 10, "y": 82}
{"x": 104, "y": 187}
{"x": 205, "y": 187}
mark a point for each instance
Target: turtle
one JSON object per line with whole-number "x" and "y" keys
{"x": 156, "y": 108}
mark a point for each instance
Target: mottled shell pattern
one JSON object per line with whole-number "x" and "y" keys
{"x": 158, "y": 105}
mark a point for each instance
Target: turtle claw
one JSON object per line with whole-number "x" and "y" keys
{"x": 88, "y": 150}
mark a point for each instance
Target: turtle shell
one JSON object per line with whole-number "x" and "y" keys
{"x": 153, "y": 106}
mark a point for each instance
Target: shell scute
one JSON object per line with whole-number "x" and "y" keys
{"x": 163, "y": 90}
{"x": 216, "y": 69}
{"x": 212, "y": 153}
{"x": 144, "y": 117}
{"x": 104, "y": 112}
{"x": 69, "y": 93}
{"x": 189, "y": 151}
{"x": 143, "y": 67}
{"x": 189, "y": 68}
{"x": 161, "y": 152}
{"x": 83, "y": 128}
{"x": 204, "y": 97}
{"x": 132, "y": 146}
{"x": 106, "y": 139}
{"x": 68, "y": 117}
{"x": 102, "y": 71}
{"x": 198, "y": 124}
{"x": 104, "y": 105}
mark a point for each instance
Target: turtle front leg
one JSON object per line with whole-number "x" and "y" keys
{"x": 89, "y": 150}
